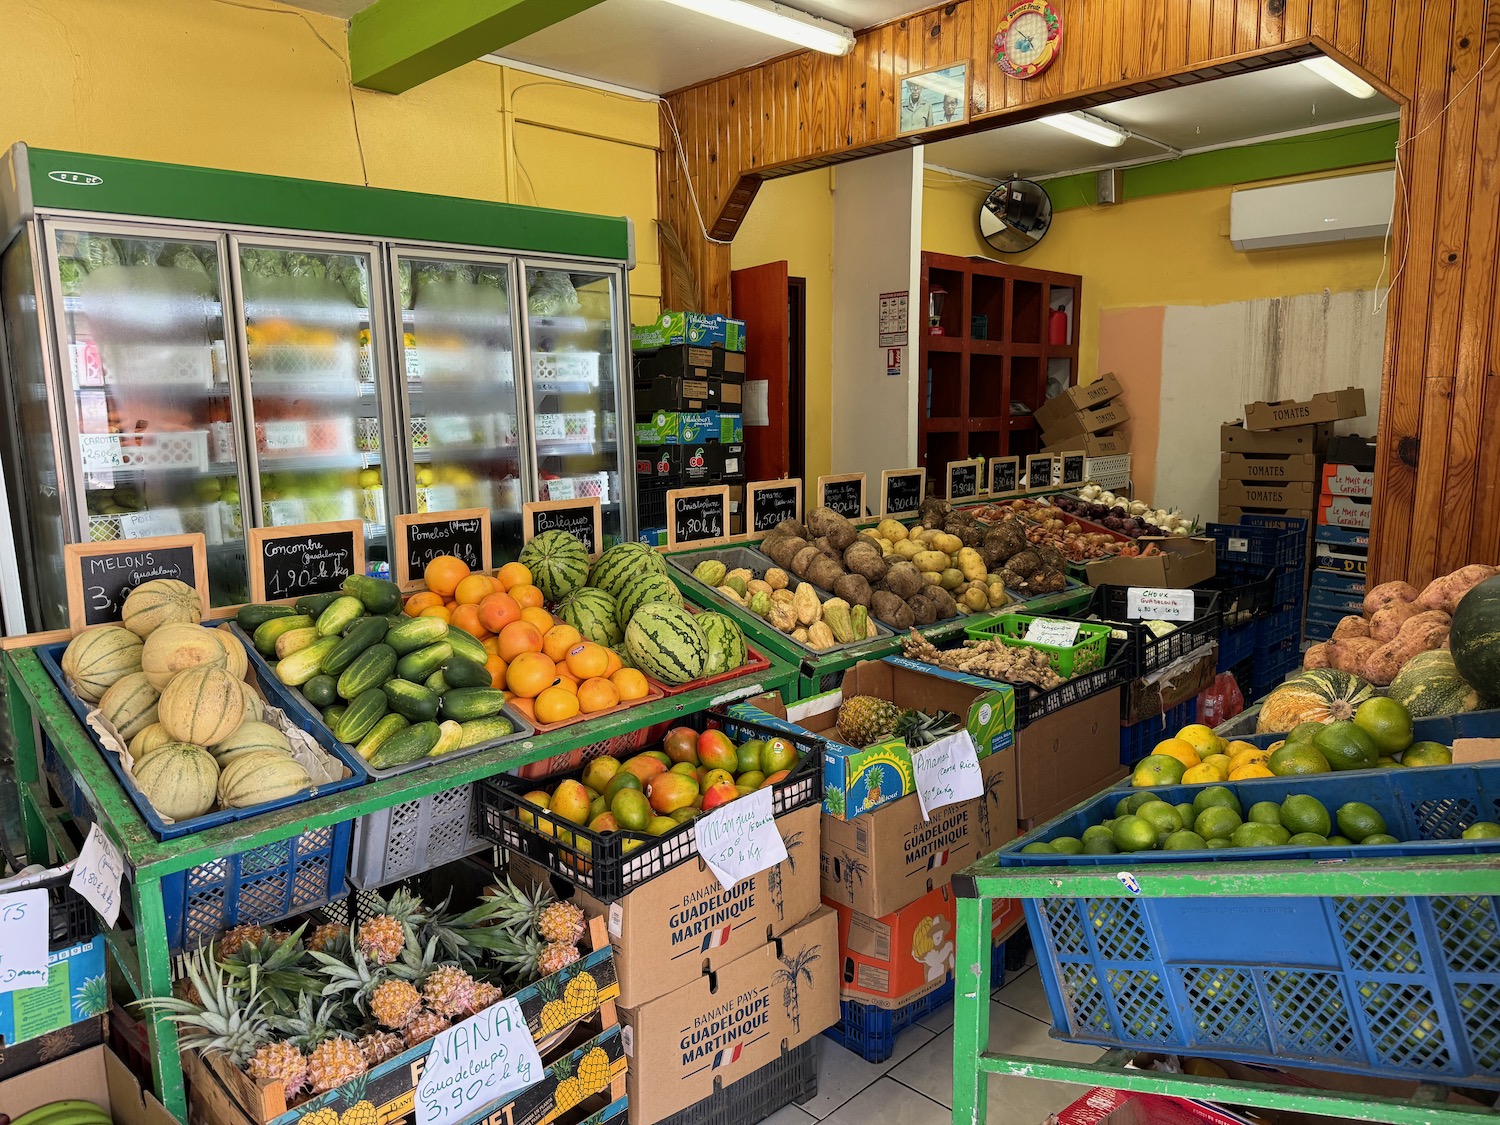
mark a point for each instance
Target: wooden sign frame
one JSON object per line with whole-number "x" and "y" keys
{"x": 981, "y": 488}
{"x": 676, "y": 494}
{"x": 1015, "y": 463}
{"x": 1060, "y": 476}
{"x": 259, "y": 536}
{"x": 841, "y": 478}
{"x": 531, "y": 507}
{"x": 401, "y": 540}
{"x": 754, "y": 488}
{"x": 885, "y": 476}
{"x": 74, "y": 555}
{"x": 1050, "y": 460}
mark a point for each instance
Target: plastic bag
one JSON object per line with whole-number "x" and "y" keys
{"x": 1220, "y": 701}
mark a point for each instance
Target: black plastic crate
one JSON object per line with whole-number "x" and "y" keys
{"x": 1034, "y": 703}
{"x": 1245, "y": 593}
{"x": 1258, "y": 546}
{"x": 755, "y": 1097}
{"x": 1148, "y": 651}
{"x": 610, "y": 865}
{"x": 70, "y": 920}
{"x": 651, "y": 503}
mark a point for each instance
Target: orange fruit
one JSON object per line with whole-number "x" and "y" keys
{"x": 436, "y": 611}
{"x": 568, "y": 683}
{"x": 631, "y": 684}
{"x": 612, "y": 663}
{"x": 1185, "y": 752}
{"x": 556, "y": 705}
{"x": 519, "y": 637}
{"x": 597, "y": 694}
{"x": 498, "y": 610}
{"x": 513, "y": 574}
{"x": 496, "y": 668}
{"x": 466, "y": 617}
{"x": 559, "y": 639}
{"x": 451, "y": 603}
{"x": 526, "y": 595}
{"x": 423, "y": 599}
{"x": 539, "y": 618}
{"x": 444, "y": 573}
{"x": 524, "y": 706}
{"x": 588, "y": 660}
{"x": 473, "y": 589}
{"x": 530, "y": 673}
{"x": 490, "y": 643}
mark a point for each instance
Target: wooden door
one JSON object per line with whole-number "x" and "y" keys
{"x": 760, "y": 299}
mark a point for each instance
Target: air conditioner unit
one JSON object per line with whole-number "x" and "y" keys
{"x": 1335, "y": 209}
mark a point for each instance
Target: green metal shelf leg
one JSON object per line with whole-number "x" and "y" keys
{"x": 28, "y": 769}
{"x": 156, "y": 980}
{"x": 971, "y": 1013}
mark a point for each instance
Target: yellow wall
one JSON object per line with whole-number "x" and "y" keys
{"x": 262, "y": 88}
{"x": 1163, "y": 250}
{"x": 792, "y": 220}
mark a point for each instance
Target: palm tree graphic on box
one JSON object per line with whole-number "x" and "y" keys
{"x": 793, "y": 970}
{"x": 792, "y": 842}
{"x": 851, "y": 869}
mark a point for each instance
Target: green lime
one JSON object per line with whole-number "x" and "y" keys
{"x": 1162, "y": 816}
{"x": 1296, "y": 758}
{"x": 1184, "y": 841}
{"x": 1380, "y": 838}
{"x": 1427, "y": 754}
{"x": 1132, "y": 834}
{"x": 1218, "y": 842}
{"x": 1308, "y": 840}
{"x": 1097, "y": 831}
{"x": 1264, "y": 812}
{"x": 1122, "y": 806}
{"x": 1216, "y": 797}
{"x": 1340, "y": 841}
{"x": 1138, "y": 799}
{"x": 1253, "y": 834}
{"x": 1040, "y": 847}
{"x": 1385, "y": 721}
{"x": 1216, "y": 823}
{"x": 1099, "y": 845}
{"x": 1301, "y": 813}
{"x": 1482, "y": 830}
{"x": 1385, "y": 762}
{"x": 1358, "y": 820}
{"x": 1303, "y": 732}
{"x": 1157, "y": 769}
{"x": 1346, "y": 746}
{"x": 1187, "y": 812}
{"x": 1067, "y": 845}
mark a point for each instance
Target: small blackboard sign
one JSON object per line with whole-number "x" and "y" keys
{"x": 581, "y": 518}
{"x": 100, "y": 576}
{"x": 1005, "y": 476}
{"x": 902, "y": 491}
{"x": 697, "y": 515}
{"x": 309, "y": 558}
{"x": 1039, "y": 469}
{"x": 1073, "y": 462}
{"x": 965, "y": 479}
{"x": 844, "y": 493}
{"x": 772, "y": 501}
{"x": 463, "y": 533}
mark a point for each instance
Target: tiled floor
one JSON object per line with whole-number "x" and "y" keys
{"x": 915, "y": 1085}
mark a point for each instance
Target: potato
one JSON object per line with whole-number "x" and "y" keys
{"x": 932, "y": 560}
{"x": 950, "y": 578}
{"x": 907, "y": 548}
{"x": 890, "y": 529}
{"x": 892, "y": 610}
{"x": 976, "y": 599}
{"x": 931, "y": 578}
{"x": 903, "y": 580}
{"x": 970, "y": 563}
{"x": 950, "y": 543}
{"x": 1419, "y": 633}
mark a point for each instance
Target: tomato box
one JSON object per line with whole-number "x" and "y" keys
{"x": 1329, "y": 406}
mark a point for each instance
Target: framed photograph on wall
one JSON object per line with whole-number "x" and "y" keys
{"x": 935, "y": 99}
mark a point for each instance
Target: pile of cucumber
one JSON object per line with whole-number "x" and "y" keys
{"x": 396, "y": 688}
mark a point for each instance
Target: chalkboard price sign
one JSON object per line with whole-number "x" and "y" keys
{"x": 1039, "y": 469}
{"x": 697, "y": 515}
{"x": 902, "y": 491}
{"x": 463, "y": 533}
{"x": 844, "y": 493}
{"x": 772, "y": 501}
{"x": 964, "y": 479}
{"x": 1072, "y": 467}
{"x": 1005, "y": 476}
{"x": 100, "y": 576}
{"x": 581, "y": 518}
{"x": 309, "y": 558}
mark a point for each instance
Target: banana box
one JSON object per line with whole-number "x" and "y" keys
{"x": 89, "y": 1082}
{"x": 75, "y": 991}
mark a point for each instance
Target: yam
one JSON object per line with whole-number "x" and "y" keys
{"x": 1388, "y": 593}
{"x": 823, "y": 521}
{"x": 903, "y": 580}
{"x": 864, "y": 558}
{"x": 891, "y": 609}
{"x": 942, "y": 601}
{"x": 1349, "y": 627}
{"x": 1317, "y": 656}
{"x": 784, "y": 550}
{"x": 1445, "y": 593}
{"x": 1350, "y": 655}
{"x": 923, "y": 609}
{"x": 804, "y": 559}
{"x": 854, "y": 589}
{"x": 1385, "y": 624}
{"x": 1420, "y": 633}
{"x": 790, "y": 527}
{"x": 1026, "y": 563}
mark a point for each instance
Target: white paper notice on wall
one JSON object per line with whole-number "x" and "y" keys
{"x": 477, "y": 1063}
{"x": 947, "y": 772}
{"x": 97, "y": 874}
{"x": 1151, "y": 603}
{"x": 739, "y": 839}
{"x": 757, "y": 402}
{"x": 23, "y": 940}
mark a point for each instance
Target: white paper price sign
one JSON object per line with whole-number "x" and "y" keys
{"x": 97, "y": 875}
{"x": 23, "y": 940}
{"x": 1150, "y": 603}
{"x": 281, "y": 436}
{"x": 143, "y": 525}
{"x": 947, "y": 772}
{"x": 1047, "y": 631}
{"x": 477, "y": 1063}
{"x": 739, "y": 839}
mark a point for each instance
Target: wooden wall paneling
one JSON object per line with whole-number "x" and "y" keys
{"x": 886, "y": 89}
{"x": 1272, "y": 27}
{"x": 1349, "y": 31}
{"x": 1112, "y": 33}
{"x": 1221, "y": 29}
{"x": 1324, "y": 19}
{"x": 1135, "y": 26}
{"x": 1153, "y": 36}
{"x": 1297, "y": 21}
{"x": 1247, "y": 25}
{"x": 859, "y": 67}
{"x": 1375, "y": 51}
{"x": 1485, "y": 525}
{"x": 1200, "y": 31}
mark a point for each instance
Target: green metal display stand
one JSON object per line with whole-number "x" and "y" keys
{"x": 38, "y": 710}
{"x": 977, "y": 885}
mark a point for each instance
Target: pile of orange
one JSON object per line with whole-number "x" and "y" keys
{"x": 548, "y": 671}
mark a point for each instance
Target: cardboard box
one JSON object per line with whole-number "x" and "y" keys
{"x": 717, "y": 1029}
{"x": 1234, "y": 438}
{"x": 1063, "y": 421}
{"x": 1256, "y": 494}
{"x": 1345, "y": 511}
{"x": 1329, "y": 406}
{"x": 691, "y": 360}
{"x": 1076, "y": 797}
{"x": 732, "y": 401}
{"x": 1095, "y": 445}
{"x": 1268, "y": 468}
{"x": 1347, "y": 480}
{"x": 677, "y": 427}
{"x": 1077, "y": 748}
{"x": 731, "y": 427}
{"x": 675, "y": 465}
{"x": 1186, "y": 562}
{"x": 1340, "y": 562}
{"x": 1183, "y": 679}
{"x": 670, "y": 393}
{"x": 1086, "y": 396}
{"x": 1234, "y": 513}
{"x": 96, "y": 1075}
{"x": 880, "y": 862}
{"x": 726, "y": 460}
{"x": 1342, "y": 538}
{"x": 67, "y": 998}
{"x": 703, "y": 329}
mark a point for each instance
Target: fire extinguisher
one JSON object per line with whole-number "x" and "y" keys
{"x": 1057, "y": 327}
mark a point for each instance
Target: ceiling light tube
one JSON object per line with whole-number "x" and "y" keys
{"x": 1089, "y": 127}
{"x": 1330, "y": 71}
{"x": 778, "y": 21}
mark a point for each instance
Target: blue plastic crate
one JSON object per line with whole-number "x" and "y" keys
{"x": 1404, "y": 987}
{"x": 1299, "y": 524}
{"x": 1236, "y": 645}
{"x": 1137, "y": 739}
{"x": 1280, "y": 626}
{"x": 1269, "y": 668}
{"x": 1342, "y": 602}
{"x": 1291, "y": 587}
{"x": 1257, "y": 546}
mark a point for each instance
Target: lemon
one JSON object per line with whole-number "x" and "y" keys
{"x": 1249, "y": 772}
{"x": 1427, "y": 754}
{"x": 1386, "y": 722}
{"x": 1217, "y": 823}
{"x": 1202, "y": 739}
{"x": 1205, "y": 774}
{"x": 1185, "y": 752}
{"x": 1041, "y": 847}
{"x": 1067, "y": 845}
{"x": 1219, "y": 760}
{"x": 1308, "y": 840}
{"x": 369, "y": 478}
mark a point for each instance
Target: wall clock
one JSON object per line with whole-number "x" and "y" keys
{"x": 1028, "y": 39}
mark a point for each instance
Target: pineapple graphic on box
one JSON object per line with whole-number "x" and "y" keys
{"x": 932, "y": 947}
{"x": 593, "y": 1071}
{"x": 91, "y": 998}
{"x": 835, "y": 800}
{"x": 794, "y": 969}
{"x": 569, "y": 1091}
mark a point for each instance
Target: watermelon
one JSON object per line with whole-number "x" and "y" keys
{"x": 726, "y": 644}
{"x": 645, "y": 589}
{"x": 1474, "y": 638}
{"x": 1429, "y": 684}
{"x": 666, "y": 643}
{"x": 621, "y": 564}
{"x": 594, "y": 614}
{"x": 1321, "y": 695}
{"x": 558, "y": 564}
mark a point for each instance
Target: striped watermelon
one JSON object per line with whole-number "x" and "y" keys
{"x": 726, "y": 644}
{"x": 98, "y": 657}
{"x": 666, "y": 643}
{"x": 645, "y": 589}
{"x": 594, "y": 614}
{"x": 618, "y": 566}
{"x": 558, "y": 564}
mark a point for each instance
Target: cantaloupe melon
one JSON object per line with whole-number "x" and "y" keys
{"x": 97, "y": 658}
{"x": 148, "y": 740}
{"x": 249, "y": 739}
{"x": 238, "y": 660}
{"x": 178, "y": 779}
{"x": 266, "y": 775}
{"x": 175, "y": 647}
{"x": 255, "y": 709}
{"x": 162, "y": 601}
{"x": 130, "y": 705}
{"x": 203, "y": 705}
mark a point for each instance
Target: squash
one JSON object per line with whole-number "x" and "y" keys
{"x": 1474, "y": 638}
{"x": 1319, "y": 695}
{"x": 1429, "y": 684}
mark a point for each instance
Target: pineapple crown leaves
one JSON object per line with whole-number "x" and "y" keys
{"x": 309, "y": 1026}
{"x": 403, "y": 906}
{"x": 793, "y": 841}
{"x": 280, "y": 966}
{"x": 229, "y": 1020}
{"x": 921, "y": 729}
{"x": 462, "y": 936}
{"x": 353, "y": 976}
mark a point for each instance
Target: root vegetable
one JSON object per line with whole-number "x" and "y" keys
{"x": 825, "y": 572}
{"x": 1351, "y": 626}
{"x": 892, "y": 609}
{"x": 854, "y": 589}
{"x": 806, "y": 605}
{"x": 992, "y": 659}
{"x": 903, "y": 580}
{"x": 1388, "y": 593}
{"x": 1445, "y": 593}
{"x": 804, "y": 559}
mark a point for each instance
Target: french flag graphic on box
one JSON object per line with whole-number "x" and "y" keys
{"x": 716, "y": 938}
{"x": 937, "y": 859}
{"x": 728, "y": 1056}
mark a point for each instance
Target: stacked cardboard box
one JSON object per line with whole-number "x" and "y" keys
{"x": 1342, "y": 536}
{"x": 1085, "y": 418}
{"x": 1269, "y": 471}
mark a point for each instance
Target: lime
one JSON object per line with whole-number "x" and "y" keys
{"x": 1161, "y": 816}
{"x": 1427, "y": 754}
{"x": 1218, "y": 842}
{"x": 1216, "y": 823}
{"x": 1302, "y": 814}
{"x": 1122, "y": 806}
{"x": 1296, "y": 758}
{"x": 1380, "y": 838}
{"x": 1067, "y": 845}
{"x": 1132, "y": 834}
{"x": 1137, "y": 800}
{"x": 1253, "y": 834}
{"x": 1157, "y": 769}
{"x": 1099, "y": 845}
{"x": 1358, "y": 820}
{"x": 1385, "y": 762}
{"x": 1308, "y": 840}
{"x": 1339, "y": 841}
{"x": 1303, "y": 732}
{"x": 1189, "y": 813}
{"x": 1385, "y": 721}
{"x": 1216, "y": 796}
{"x": 1264, "y": 812}
{"x": 1184, "y": 841}
{"x": 1482, "y": 830}
{"x": 1096, "y": 831}
{"x": 1041, "y": 847}
{"x": 1346, "y": 746}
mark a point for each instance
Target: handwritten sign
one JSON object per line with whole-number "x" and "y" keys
{"x": 464, "y": 534}
{"x": 1005, "y": 476}
{"x": 100, "y": 576}
{"x": 1151, "y": 603}
{"x": 902, "y": 491}
{"x": 1072, "y": 464}
{"x": 964, "y": 481}
{"x": 309, "y": 558}
{"x": 697, "y": 515}
{"x": 946, "y": 772}
{"x": 477, "y": 1063}
{"x": 739, "y": 839}
{"x": 844, "y": 493}
{"x": 1047, "y": 631}
{"x": 581, "y": 518}
{"x": 1039, "y": 471}
{"x": 23, "y": 940}
{"x": 97, "y": 874}
{"x": 772, "y": 501}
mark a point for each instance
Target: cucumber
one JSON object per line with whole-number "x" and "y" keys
{"x": 370, "y": 669}
{"x": 332, "y": 713}
{"x": 322, "y": 690}
{"x": 417, "y": 666}
{"x": 252, "y": 617}
{"x": 314, "y": 604}
{"x": 487, "y": 729}
{"x": 367, "y": 709}
{"x": 266, "y": 632}
{"x": 294, "y": 640}
{"x": 451, "y": 738}
{"x": 461, "y": 672}
{"x": 305, "y": 663}
{"x": 387, "y": 727}
{"x": 339, "y": 616}
{"x": 412, "y": 700}
{"x": 467, "y": 644}
{"x": 464, "y": 704}
{"x": 405, "y": 746}
{"x": 436, "y": 682}
{"x": 361, "y": 635}
{"x": 377, "y": 595}
{"x": 415, "y": 633}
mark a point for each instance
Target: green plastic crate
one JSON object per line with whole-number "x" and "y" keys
{"x": 1084, "y": 655}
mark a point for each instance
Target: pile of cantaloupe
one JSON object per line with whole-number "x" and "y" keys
{"x": 175, "y": 692}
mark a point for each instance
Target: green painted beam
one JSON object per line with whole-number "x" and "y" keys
{"x": 397, "y": 44}
{"x": 1268, "y": 160}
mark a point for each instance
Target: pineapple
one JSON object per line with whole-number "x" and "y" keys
{"x": 518, "y": 911}
{"x": 527, "y": 958}
{"x": 334, "y": 1062}
{"x": 325, "y": 1116}
{"x": 593, "y": 1071}
{"x": 581, "y": 996}
{"x": 327, "y": 937}
{"x": 449, "y": 991}
{"x": 383, "y": 937}
{"x": 233, "y": 940}
{"x": 380, "y": 1046}
{"x": 919, "y": 729}
{"x": 423, "y": 1028}
{"x": 485, "y": 994}
{"x": 863, "y": 720}
{"x": 280, "y": 1062}
{"x": 569, "y": 1091}
{"x": 562, "y": 921}
{"x": 556, "y": 956}
{"x": 395, "y": 1003}
{"x": 229, "y": 1018}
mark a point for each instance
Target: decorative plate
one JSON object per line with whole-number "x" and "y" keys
{"x": 1028, "y": 39}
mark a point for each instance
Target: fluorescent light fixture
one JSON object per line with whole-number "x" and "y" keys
{"x": 1089, "y": 127}
{"x": 1330, "y": 71}
{"x": 778, "y": 21}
